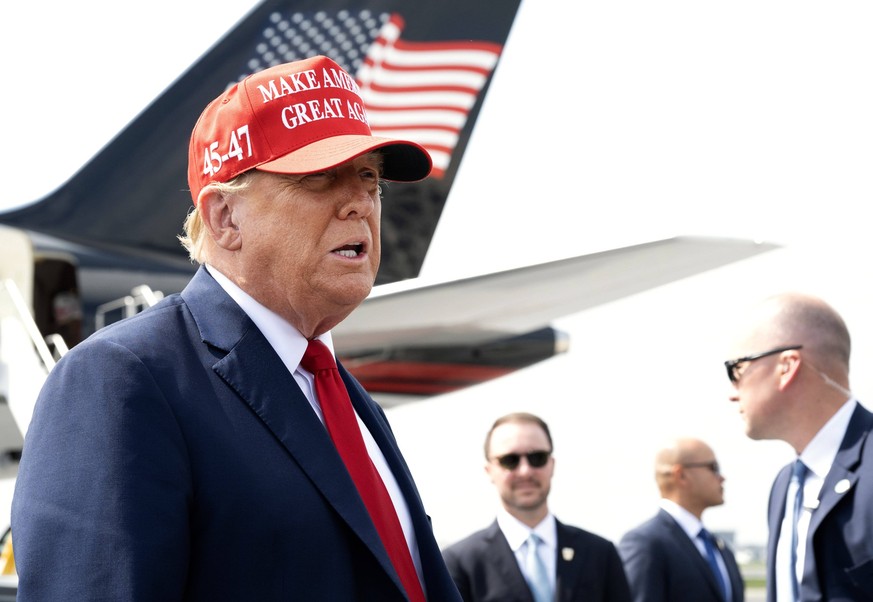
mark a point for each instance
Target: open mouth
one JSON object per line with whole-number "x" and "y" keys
{"x": 352, "y": 250}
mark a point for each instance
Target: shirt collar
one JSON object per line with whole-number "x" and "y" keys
{"x": 689, "y": 523}
{"x": 820, "y": 453}
{"x": 286, "y": 340}
{"x": 516, "y": 532}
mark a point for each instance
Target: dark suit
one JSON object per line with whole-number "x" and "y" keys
{"x": 485, "y": 569}
{"x": 839, "y": 548}
{"x": 172, "y": 456}
{"x": 664, "y": 565}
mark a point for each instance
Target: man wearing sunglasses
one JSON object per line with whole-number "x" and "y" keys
{"x": 672, "y": 557}
{"x": 526, "y": 554}
{"x": 790, "y": 380}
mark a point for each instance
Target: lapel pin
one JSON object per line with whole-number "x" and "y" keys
{"x": 842, "y": 486}
{"x": 567, "y": 554}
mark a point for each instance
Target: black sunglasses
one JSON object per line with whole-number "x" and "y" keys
{"x": 732, "y": 365}
{"x": 713, "y": 466}
{"x": 536, "y": 459}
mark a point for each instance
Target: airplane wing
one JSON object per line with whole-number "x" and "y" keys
{"x": 412, "y": 341}
{"x": 424, "y": 69}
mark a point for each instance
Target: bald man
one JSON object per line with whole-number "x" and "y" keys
{"x": 671, "y": 557}
{"x": 790, "y": 381}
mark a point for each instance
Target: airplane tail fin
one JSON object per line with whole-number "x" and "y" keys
{"x": 424, "y": 68}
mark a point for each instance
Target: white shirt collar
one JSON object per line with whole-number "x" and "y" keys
{"x": 286, "y": 340}
{"x": 516, "y": 532}
{"x": 820, "y": 453}
{"x": 689, "y": 523}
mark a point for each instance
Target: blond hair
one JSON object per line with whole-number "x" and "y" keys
{"x": 195, "y": 233}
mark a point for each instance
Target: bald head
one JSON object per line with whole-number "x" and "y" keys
{"x": 687, "y": 473}
{"x": 798, "y": 319}
{"x": 798, "y": 374}
{"x": 681, "y": 450}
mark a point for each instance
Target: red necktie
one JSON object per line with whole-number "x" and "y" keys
{"x": 342, "y": 425}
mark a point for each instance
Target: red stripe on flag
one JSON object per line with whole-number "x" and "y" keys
{"x": 424, "y": 89}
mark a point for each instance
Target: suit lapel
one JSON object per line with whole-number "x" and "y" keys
{"x": 734, "y": 574}
{"x": 366, "y": 408}
{"x": 691, "y": 552}
{"x": 776, "y": 512}
{"x": 506, "y": 566}
{"x": 377, "y": 424}
{"x": 569, "y": 564}
{"x": 573, "y": 568}
{"x": 839, "y": 481}
{"x": 843, "y": 473}
{"x": 257, "y": 376}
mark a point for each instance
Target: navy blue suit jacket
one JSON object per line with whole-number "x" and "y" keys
{"x": 664, "y": 565}
{"x": 485, "y": 569}
{"x": 172, "y": 456}
{"x": 839, "y": 546}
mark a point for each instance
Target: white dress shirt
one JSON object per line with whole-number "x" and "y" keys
{"x": 818, "y": 457}
{"x": 516, "y": 533}
{"x": 290, "y": 345}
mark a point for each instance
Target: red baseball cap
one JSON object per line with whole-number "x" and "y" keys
{"x": 296, "y": 118}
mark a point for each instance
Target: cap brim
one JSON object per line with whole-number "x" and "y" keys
{"x": 405, "y": 161}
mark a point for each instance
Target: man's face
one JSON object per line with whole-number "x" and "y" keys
{"x": 704, "y": 479}
{"x": 757, "y": 384}
{"x": 756, "y": 392}
{"x": 525, "y": 488}
{"x": 311, "y": 241}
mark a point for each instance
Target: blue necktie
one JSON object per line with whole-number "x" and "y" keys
{"x": 538, "y": 579}
{"x": 709, "y": 545}
{"x": 798, "y": 475}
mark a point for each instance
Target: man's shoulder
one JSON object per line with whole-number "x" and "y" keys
{"x": 857, "y": 443}
{"x": 656, "y": 528}
{"x": 137, "y": 327}
{"x": 864, "y": 415}
{"x": 658, "y": 522}
{"x": 655, "y": 539}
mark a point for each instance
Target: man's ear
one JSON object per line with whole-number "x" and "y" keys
{"x": 217, "y": 211}
{"x": 787, "y": 367}
{"x": 488, "y": 467}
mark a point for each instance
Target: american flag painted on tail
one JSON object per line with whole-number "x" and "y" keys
{"x": 431, "y": 61}
{"x": 421, "y": 91}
